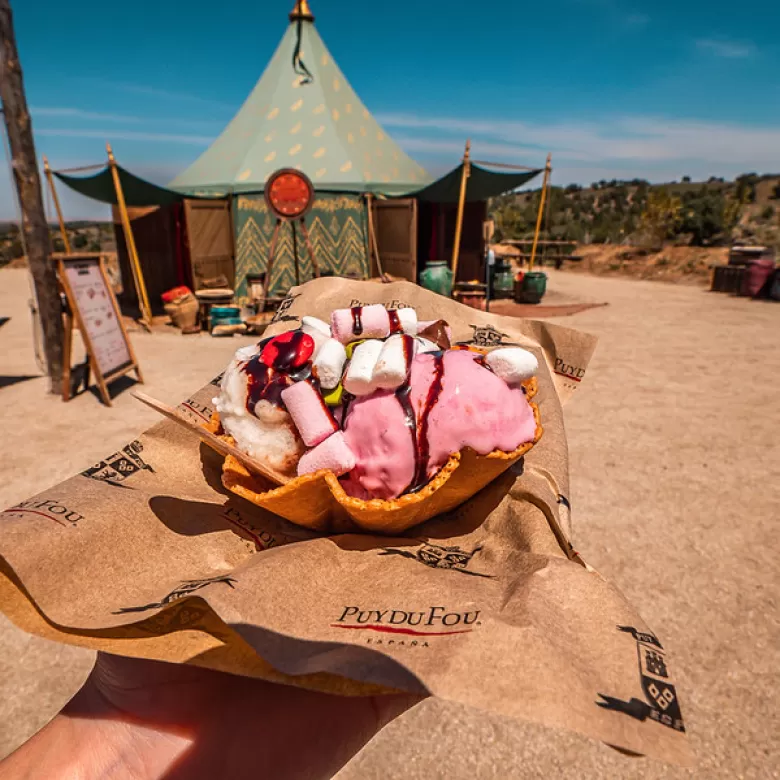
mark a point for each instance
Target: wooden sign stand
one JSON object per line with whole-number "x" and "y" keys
{"x": 109, "y": 351}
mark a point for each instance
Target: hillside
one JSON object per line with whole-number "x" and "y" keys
{"x": 83, "y": 236}
{"x": 686, "y": 213}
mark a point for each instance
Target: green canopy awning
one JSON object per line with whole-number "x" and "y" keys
{"x": 137, "y": 192}
{"x": 481, "y": 185}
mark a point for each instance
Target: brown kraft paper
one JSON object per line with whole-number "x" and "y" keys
{"x": 146, "y": 554}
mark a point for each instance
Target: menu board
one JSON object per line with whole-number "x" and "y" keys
{"x": 103, "y": 333}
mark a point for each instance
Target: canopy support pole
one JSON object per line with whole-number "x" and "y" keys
{"x": 135, "y": 265}
{"x": 461, "y": 206}
{"x": 547, "y": 169}
{"x": 372, "y": 243}
{"x": 50, "y": 179}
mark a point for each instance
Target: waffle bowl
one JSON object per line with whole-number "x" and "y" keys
{"x": 318, "y": 501}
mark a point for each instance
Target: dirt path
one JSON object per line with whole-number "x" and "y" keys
{"x": 676, "y": 481}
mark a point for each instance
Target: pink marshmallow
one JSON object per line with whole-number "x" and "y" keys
{"x": 366, "y": 322}
{"x": 311, "y": 416}
{"x": 333, "y": 454}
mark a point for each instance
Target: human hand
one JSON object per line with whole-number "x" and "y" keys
{"x": 139, "y": 719}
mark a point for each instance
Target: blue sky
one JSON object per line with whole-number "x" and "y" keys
{"x": 613, "y": 88}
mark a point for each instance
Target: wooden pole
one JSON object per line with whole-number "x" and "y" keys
{"x": 135, "y": 265}
{"x": 60, "y": 219}
{"x": 35, "y": 230}
{"x": 547, "y": 169}
{"x": 372, "y": 242}
{"x": 461, "y": 205}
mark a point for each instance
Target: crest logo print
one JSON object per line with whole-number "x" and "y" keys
{"x": 116, "y": 468}
{"x": 437, "y": 557}
{"x": 187, "y": 588}
{"x": 488, "y": 336}
{"x": 662, "y": 704}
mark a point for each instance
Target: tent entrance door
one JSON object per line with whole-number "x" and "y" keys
{"x": 210, "y": 241}
{"x": 395, "y": 224}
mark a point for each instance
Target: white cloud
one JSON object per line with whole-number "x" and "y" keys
{"x": 730, "y": 50}
{"x": 156, "y": 92}
{"x": 127, "y": 135}
{"x": 623, "y": 140}
{"x": 78, "y": 113}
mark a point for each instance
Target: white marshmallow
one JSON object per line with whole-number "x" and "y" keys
{"x": 512, "y": 364}
{"x": 408, "y": 319}
{"x": 359, "y": 377}
{"x": 329, "y": 363}
{"x": 424, "y": 345}
{"x": 392, "y": 367}
{"x": 318, "y": 330}
{"x": 246, "y": 353}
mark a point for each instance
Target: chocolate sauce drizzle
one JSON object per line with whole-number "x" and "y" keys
{"x": 395, "y": 321}
{"x": 419, "y": 428}
{"x": 357, "y": 323}
{"x": 265, "y": 383}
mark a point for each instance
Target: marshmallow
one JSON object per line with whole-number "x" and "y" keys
{"x": 311, "y": 416}
{"x": 423, "y": 345}
{"x": 333, "y": 454}
{"x": 317, "y": 329}
{"x": 408, "y": 318}
{"x": 359, "y": 377}
{"x": 512, "y": 364}
{"x": 395, "y": 360}
{"x": 329, "y": 363}
{"x": 246, "y": 353}
{"x": 368, "y": 322}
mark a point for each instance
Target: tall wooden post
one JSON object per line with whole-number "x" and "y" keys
{"x": 461, "y": 205}
{"x": 135, "y": 264}
{"x": 60, "y": 219}
{"x": 28, "y": 186}
{"x": 547, "y": 170}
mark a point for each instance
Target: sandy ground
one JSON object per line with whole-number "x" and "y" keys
{"x": 675, "y": 478}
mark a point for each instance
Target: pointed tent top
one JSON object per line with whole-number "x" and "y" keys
{"x": 301, "y": 11}
{"x": 303, "y": 114}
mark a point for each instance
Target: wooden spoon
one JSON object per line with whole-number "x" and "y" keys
{"x": 213, "y": 441}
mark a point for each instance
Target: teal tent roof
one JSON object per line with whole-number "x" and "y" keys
{"x": 480, "y": 185}
{"x": 137, "y": 191}
{"x": 303, "y": 114}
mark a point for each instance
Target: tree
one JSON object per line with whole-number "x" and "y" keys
{"x": 686, "y": 179}
{"x": 661, "y": 217}
{"x": 28, "y": 186}
{"x": 80, "y": 241}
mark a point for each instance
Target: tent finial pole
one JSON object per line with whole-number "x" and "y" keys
{"x": 461, "y": 205}
{"x": 547, "y": 170}
{"x": 60, "y": 219}
{"x": 135, "y": 265}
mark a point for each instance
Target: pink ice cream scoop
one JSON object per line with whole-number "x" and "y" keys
{"x": 401, "y": 438}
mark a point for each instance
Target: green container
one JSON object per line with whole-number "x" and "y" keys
{"x": 503, "y": 281}
{"x": 437, "y": 277}
{"x": 532, "y": 288}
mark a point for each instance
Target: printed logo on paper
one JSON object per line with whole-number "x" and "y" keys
{"x": 51, "y": 508}
{"x": 263, "y": 540}
{"x": 568, "y": 371}
{"x": 436, "y": 557}
{"x": 187, "y": 588}
{"x": 217, "y": 380}
{"x": 201, "y": 411}
{"x": 116, "y": 468}
{"x": 407, "y": 628}
{"x": 661, "y": 703}
{"x": 488, "y": 336}
{"x": 390, "y": 306}
{"x": 281, "y": 314}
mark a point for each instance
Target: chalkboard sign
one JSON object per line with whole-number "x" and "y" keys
{"x": 93, "y": 306}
